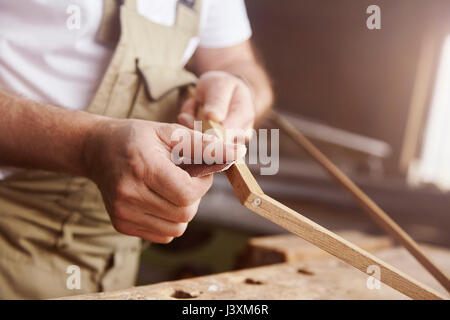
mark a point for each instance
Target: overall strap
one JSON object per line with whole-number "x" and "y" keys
{"x": 193, "y": 4}
{"x": 188, "y": 14}
{"x": 131, "y": 4}
{"x": 109, "y": 31}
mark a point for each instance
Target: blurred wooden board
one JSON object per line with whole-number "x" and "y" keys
{"x": 268, "y": 250}
{"x": 315, "y": 279}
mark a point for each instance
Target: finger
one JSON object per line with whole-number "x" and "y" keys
{"x": 157, "y": 225}
{"x": 153, "y": 237}
{"x": 201, "y": 170}
{"x": 135, "y": 230}
{"x": 189, "y": 106}
{"x": 242, "y": 134}
{"x": 149, "y": 201}
{"x": 215, "y": 97}
{"x": 241, "y": 112}
{"x": 175, "y": 184}
{"x": 187, "y": 113}
{"x": 199, "y": 148}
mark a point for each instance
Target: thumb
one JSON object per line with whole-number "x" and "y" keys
{"x": 193, "y": 147}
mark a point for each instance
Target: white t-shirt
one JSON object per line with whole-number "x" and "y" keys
{"x": 43, "y": 59}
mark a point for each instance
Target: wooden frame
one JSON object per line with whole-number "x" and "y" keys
{"x": 252, "y": 197}
{"x": 374, "y": 211}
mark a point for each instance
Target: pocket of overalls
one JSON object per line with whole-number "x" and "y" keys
{"x": 157, "y": 98}
{"x": 123, "y": 95}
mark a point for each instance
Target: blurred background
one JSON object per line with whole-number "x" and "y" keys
{"x": 377, "y": 102}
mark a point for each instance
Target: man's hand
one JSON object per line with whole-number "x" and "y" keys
{"x": 145, "y": 193}
{"x": 221, "y": 90}
{"x": 224, "y": 98}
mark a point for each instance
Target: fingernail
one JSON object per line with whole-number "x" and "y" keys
{"x": 212, "y": 113}
{"x": 186, "y": 118}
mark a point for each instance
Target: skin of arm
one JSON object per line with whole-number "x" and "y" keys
{"x": 145, "y": 193}
{"x": 233, "y": 88}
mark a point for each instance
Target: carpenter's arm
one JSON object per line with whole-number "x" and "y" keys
{"x": 145, "y": 193}
{"x": 40, "y": 136}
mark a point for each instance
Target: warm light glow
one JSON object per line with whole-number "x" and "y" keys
{"x": 434, "y": 164}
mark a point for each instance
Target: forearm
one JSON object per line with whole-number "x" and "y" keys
{"x": 39, "y": 136}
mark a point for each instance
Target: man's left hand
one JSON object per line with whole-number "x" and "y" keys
{"x": 225, "y": 98}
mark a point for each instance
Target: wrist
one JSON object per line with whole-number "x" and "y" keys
{"x": 95, "y": 133}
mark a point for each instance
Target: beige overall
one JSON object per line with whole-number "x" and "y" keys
{"x": 51, "y": 221}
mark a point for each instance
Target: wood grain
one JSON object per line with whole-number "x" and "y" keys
{"x": 252, "y": 197}
{"x": 374, "y": 211}
{"x": 283, "y": 248}
{"x": 313, "y": 279}
{"x": 239, "y": 175}
{"x": 338, "y": 246}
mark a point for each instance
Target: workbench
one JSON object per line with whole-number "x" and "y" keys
{"x": 300, "y": 271}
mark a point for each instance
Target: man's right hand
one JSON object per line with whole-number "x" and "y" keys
{"x": 145, "y": 193}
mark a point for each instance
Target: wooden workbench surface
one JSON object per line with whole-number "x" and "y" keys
{"x": 315, "y": 279}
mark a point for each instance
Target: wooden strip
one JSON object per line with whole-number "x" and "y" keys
{"x": 376, "y": 213}
{"x": 337, "y": 246}
{"x": 240, "y": 177}
{"x": 339, "y": 137}
{"x": 283, "y": 248}
{"x": 244, "y": 184}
